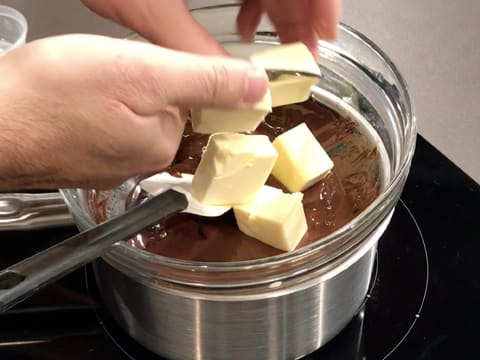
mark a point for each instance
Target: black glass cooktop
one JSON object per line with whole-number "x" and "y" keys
{"x": 423, "y": 302}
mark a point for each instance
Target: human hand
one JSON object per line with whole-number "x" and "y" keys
{"x": 89, "y": 111}
{"x": 295, "y": 20}
{"x": 169, "y": 23}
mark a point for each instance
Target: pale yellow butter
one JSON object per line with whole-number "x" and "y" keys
{"x": 212, "y": 120}
{"x": 233, "y": 168}
{"x": 302, "y": 161}
{"x": 288, "y": 89}
{"x": 275, "y": 218}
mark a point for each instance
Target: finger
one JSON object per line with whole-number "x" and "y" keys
{"x": 146, "y": 77}
{"x": 248, "y": 19}
{"x": 325, "y": 16}
{"x": 170, "y": 24}
{"x": 163, "y": 22}
{"x": 205, "y": 81}
{"x": 151, "y": 77}
{"x": 183, "y": 31}
{"x": 159, "y": 154}
{"x": 292, "y": 20}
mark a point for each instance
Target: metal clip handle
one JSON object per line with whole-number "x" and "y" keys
{"x": 29, "y": 211}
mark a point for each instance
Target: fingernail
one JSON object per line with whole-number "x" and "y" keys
{"x": 256, "y": 84}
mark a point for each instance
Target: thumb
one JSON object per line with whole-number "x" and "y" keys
{"x": 166, "y": 77}
{"x": 220, "y": 82}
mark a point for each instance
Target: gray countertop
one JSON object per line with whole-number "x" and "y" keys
{"x": 434, "y": 43}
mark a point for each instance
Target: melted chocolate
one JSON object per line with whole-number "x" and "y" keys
{"x": 331, "y": 203}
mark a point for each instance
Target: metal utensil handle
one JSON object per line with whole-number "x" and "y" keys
{"x": 27, "y": 211}
{"x": 23, "y": 279}
{"x": 274, "y": 74}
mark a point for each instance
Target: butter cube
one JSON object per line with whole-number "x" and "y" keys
{"x": 212, "y": 120}
{"x": 233, "y": 168}
{"x": 301, "y": 159}
{"x": 275, "y": 218}
{"x": 288, "y": 89}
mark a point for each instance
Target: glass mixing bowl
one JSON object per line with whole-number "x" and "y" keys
{"x": 358, "y": 79}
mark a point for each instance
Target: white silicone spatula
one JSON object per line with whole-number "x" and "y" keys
{"x": 161, "y": 182}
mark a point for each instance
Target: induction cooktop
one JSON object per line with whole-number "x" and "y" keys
{"x": 423, "y": 302}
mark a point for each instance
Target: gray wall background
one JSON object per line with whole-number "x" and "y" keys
{"x": 435, "y": 43}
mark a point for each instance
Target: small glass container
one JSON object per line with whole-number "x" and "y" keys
{"x": 13, "y": 29}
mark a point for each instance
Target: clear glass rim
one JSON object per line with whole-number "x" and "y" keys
{"x": 126, "y": 251}
{"x": 13, "y": 13}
